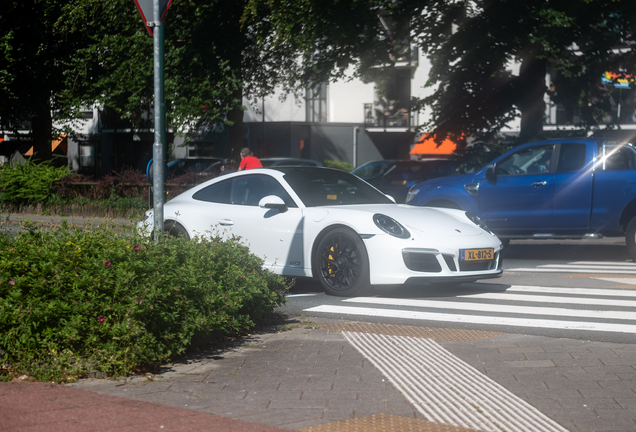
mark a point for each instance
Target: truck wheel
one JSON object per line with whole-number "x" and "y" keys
{"x": 630, "y": 238}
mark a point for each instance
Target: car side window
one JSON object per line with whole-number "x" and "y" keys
{"x": 250, "y": 189}
{"x": 373, "y": 169}
{"x": 529, "y": 160}
{"x": 216, "y": 193}
{"x": 571, "y": 157}
{"x": 619, "y": 158}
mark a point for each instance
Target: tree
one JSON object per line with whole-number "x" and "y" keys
{"x": 211, "y": 62}
{"x": 473, "y": 44}
{"x": 32, "y": 68}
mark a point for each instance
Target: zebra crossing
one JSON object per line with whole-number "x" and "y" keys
{"x": 580, "y": 309}
{"x": 610, "y": 267}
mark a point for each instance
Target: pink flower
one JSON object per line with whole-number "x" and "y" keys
{"x": 136, "y": 248}
{"x": 107, "y": 263}
{"x": 138, "y": 300}
{"x": 101, "y": 319}
{"x": 242, "y": 277}
{"x": 11, "y": 282}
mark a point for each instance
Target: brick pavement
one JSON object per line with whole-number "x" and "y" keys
{"x": 310, "y": 379}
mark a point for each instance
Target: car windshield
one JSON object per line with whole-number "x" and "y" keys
{"x": 328, "y": 187}
{"x": 372, "y": 169}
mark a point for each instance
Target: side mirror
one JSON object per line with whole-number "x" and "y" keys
{"x": 273, "y": 202}
{"x": 491, "y": 172}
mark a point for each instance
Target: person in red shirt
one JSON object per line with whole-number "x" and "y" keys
{"x": 248, "y": 160}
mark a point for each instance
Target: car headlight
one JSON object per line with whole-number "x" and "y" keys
{"x": 477, "y": 221}
{"x": 412, "y": 193}
{"x": 390, "y": 226}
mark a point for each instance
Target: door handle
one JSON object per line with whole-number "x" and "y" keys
{"x": 226, "y": 222}
{"x": 539, "y": 183}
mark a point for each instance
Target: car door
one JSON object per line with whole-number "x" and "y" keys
{"x": 276, "y": 236}
{"x": 230, "y": 208}
{"x": 573, "y": 184}
{"x": 520, "y": 198}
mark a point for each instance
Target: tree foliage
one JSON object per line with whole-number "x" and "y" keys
{"x": 32, "y": 68}
{"x": 472, "y": 47}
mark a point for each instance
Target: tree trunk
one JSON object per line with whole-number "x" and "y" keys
{"x": 531, "y": 104}
{"x": 42, "y": 132}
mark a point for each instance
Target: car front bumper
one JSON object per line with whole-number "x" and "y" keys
{"x": 394, "y": 261}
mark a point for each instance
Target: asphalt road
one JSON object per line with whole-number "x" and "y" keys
{"x": 580, "y": 289}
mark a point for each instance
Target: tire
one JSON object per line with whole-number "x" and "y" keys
{"x": 630, "y": 238}
{"x": 341, "y": 263}
{"x": 175, "y": 229}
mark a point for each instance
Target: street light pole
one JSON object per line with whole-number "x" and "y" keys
{"x": 158, "y": 146}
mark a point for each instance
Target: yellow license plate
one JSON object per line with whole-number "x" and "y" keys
{"x": 477, "y": 254}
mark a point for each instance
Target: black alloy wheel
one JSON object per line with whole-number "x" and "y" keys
{"x": 341, "y": 262}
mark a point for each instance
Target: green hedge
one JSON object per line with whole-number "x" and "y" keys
{"x": 75, "y": 301}
{"x": 343, "y": 166}
{"x": 29, "y": 183}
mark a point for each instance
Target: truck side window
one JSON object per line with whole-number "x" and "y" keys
{"x": 530, "y": 160}
{"x": 619, "y": 158}
{"x": 571, "y": 157}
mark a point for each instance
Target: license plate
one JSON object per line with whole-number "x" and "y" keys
{"x": 477, "y": 254}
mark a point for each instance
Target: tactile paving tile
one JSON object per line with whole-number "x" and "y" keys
{"x": 444, "y": 334}
{"x": 385, "y": 423}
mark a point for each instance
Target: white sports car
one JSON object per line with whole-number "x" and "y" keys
{"x": 333, "y": 226}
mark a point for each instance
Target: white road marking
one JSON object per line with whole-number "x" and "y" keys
{"x": 610, "y": 267}
{"x": 445, "y": 389}
{"x": 552, "y": 299}
{"x": 566, "y": 270}
{"x": 622, "y": 281}
{"x": 577, "y": 291}
{"x": 590, "y": 266}
{"x": 476, "y": 319}
{"x": 496, "y": 308}
{"x": 299, "y": 295}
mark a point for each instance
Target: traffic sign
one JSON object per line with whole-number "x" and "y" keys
{"x": 146, "y": 10}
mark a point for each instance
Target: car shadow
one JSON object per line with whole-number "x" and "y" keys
{"x": 435, "y": 291}
{"x": 581, "y": 251}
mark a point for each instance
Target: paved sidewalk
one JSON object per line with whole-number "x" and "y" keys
{"x": 332, "y": 376}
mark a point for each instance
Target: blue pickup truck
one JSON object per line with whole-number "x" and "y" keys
{"x": 565, "y": 188}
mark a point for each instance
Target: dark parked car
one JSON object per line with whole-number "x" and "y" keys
{"x": 277, "y": 162}
{"x": 395, "y": 178}
{"x": 179, "y": 167}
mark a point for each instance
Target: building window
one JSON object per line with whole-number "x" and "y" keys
{"x": 317, "y": 103}
{"x": 87, "y": 155}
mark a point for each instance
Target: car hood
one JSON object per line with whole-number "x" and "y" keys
{"x": 430, "y": 221}
{"x": 442, "y": 180}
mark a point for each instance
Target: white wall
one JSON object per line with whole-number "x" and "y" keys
{"x": 277, "y": 109}
{"x": 346, "y": 101}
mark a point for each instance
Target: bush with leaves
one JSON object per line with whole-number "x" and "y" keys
{"x": 343, "y": 166}
{"x": 29, "y": 183}
{"x": 76, "y": 301}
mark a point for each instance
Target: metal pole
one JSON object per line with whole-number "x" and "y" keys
{"x": 355, "y": 147}
{"x": 157, "y": 149}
